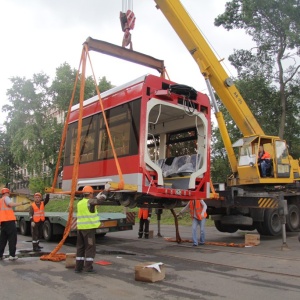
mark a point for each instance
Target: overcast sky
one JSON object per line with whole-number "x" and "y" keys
{"x": 40, "y": 35}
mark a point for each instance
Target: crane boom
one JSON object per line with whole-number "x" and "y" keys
{"x": 210, "y": 66}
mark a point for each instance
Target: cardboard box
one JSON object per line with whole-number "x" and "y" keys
{"x": 149, "y": 274}
{"x": 252, "y": 239}
{"x": 70, "y": 260}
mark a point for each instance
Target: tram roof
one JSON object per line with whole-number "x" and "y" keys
{"x": 111, "y": 91}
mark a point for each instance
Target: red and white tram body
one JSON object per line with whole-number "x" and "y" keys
{"x": 161, "y": 134}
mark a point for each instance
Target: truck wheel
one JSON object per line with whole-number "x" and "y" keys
{"x": 260, "y": 228}
{"x": 47, "y": 231}
{"x": 225, "y": 228}
{"x": 24, "y": 227}
{"x": 293, "y": 218}
{"x": 272, "y": 224}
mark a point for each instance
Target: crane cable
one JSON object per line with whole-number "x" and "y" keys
{"x": 127, "y": 19}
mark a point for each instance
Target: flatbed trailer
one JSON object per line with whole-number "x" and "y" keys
{"x": 55, "y": 223}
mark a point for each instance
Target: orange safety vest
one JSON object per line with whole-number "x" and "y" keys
{"x": 196, "y": 209}
{"x": 38, "y": 213}
{"x": 266, "y": 155}
{"x": 6, "y": 212}
{"x": 143, "y": 213}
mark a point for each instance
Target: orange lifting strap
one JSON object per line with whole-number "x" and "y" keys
{"x": 54, "y": 255}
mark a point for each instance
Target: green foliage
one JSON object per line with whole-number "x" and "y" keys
{"x": 104, "y": 85}
{"x": 33, "y": 129}
{"x": 7, "y": 165}
{"x": 275, "y": 28}
{"x": 38, "y": 184}
{"x": 63, "y": 85}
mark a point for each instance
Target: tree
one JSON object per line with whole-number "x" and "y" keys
{"x": 62, "y": 87}
{"x": 104, "y": 85}
{"x": 33, "y": 129}
{"x": 7, "y": 165}
{"x": 275, "y": 27}
{"x": 33, "y": 134}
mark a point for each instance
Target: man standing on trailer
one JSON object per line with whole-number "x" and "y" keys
{"x": 198, "y": 214}
{"x": 37, "y": 218}
{"x": 87, "y": 222}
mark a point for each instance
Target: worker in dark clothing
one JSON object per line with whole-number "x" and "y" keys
{"x": 145, "y": 217}
{"x": 87, "y": 222}
{"x": 37, "y": 218}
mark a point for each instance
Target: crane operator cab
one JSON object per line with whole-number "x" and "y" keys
{"x": 263, "y": 159}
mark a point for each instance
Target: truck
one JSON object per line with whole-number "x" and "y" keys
{"x": 249, "y": 201}
{"x": 165, "y": 147}
{"x": 55, "y": 223}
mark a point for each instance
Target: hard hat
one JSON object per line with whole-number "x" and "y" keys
{"x": 38, "y": 194}
{"x": 88, "y": 189}
{"x": 5, "y": 190}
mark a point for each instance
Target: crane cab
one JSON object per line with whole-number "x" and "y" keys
{"x": 281, "y": 169}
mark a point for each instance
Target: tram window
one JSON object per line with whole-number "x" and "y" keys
{"x": 87, "y": 139}
{"x": 153, "y": 146}
{"x": 124, "y": 124}
{"x": 182, "y": 142}
{"x": 120, "y": 138}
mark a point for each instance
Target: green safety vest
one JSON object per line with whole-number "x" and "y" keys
{"x": 86, "y": 219}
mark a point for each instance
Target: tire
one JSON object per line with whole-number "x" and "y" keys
{"x": 127, "y": 200}
{"x": 47, "y": 231}
{"x": 260, "y": 228}
{"x": 24, "y": 227}
{"x": 225, "y": 228}
{"x": 272, "y": 224}
{"x": 293, "y": 218}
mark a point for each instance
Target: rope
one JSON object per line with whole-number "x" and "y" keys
{"x": 168, "y": 239}
{"x": 54, "y": 255}
{"x": 121, "y": 183}
{"x": 64, "y": 134}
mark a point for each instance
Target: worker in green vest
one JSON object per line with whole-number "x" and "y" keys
{"x": 87, "y": 222}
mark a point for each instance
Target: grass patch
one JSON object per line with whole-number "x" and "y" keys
{"x": 62, "y": 205}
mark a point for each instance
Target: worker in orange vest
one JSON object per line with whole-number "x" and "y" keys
{"x": 8, "y": 224}
{"x": 37, "y": 218}
{"x": 264, "y": 161}
{"x": 145, "y": 217}
{"x": 198, "y": 213}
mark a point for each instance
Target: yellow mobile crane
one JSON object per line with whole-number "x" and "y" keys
{"x": 250, "y": 200}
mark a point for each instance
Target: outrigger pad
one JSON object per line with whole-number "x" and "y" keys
{"x": 184, "y": 90}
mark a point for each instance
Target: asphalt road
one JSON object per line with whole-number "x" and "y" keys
{"x": 266, "y": 271}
